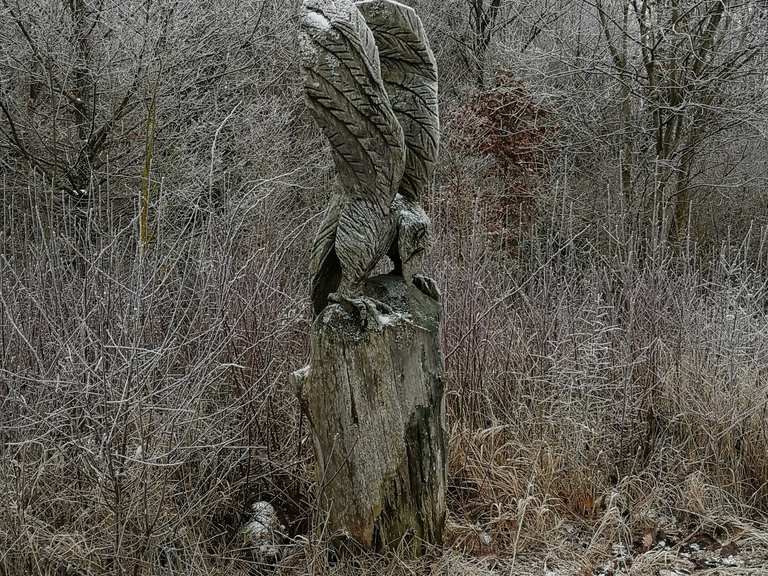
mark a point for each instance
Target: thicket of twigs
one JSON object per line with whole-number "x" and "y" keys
{"x": 600, "y": 241}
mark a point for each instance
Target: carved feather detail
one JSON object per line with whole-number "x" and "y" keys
{"x": 409, "y": 71}
{"x": 371, "y": 83}
{"x": 346, "y": 94}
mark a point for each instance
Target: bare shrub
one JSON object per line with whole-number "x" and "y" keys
{"x": 603, "y": 386}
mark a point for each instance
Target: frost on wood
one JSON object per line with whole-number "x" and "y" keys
{"x": 373, "y": 389}
{"x": 370, "y": 80}
{"x": 374, "y": 399}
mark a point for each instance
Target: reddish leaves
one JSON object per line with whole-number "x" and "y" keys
{"x": 507, "y": 124}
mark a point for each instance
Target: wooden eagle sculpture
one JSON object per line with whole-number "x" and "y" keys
{"x": 370, "y": 80}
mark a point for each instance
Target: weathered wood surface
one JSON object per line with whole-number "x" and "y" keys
{"x": 373, "y": 393}
{"x": 370, "y": 80}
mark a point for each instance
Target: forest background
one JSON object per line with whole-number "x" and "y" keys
{"x": 601, "y": 242}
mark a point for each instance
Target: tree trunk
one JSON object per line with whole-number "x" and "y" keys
{"x": 84, "y": 94}
{"x": 373, "y": 394}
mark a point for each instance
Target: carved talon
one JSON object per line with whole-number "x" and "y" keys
{"x": 365, "y": 308}
{"x": 427, "y": 286}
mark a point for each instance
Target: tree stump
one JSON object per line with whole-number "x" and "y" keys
{"x": 373, "y": 394}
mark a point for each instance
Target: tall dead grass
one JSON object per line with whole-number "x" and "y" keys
{"x": 145, "y": 402}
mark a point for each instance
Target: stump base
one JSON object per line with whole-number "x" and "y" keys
{"x": 373, "y": 394}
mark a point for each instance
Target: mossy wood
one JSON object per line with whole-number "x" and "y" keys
{"x": 373, "y": 391}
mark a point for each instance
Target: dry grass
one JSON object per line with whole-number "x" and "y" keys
{"x": 145, "y": 402}
{"x": 601, "y": 388}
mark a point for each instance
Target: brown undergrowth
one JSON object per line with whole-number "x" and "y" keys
{"x": 604, "y": 393}
{"x": 592, "y": 405}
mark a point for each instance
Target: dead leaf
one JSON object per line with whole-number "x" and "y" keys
{"x": 730, "y": 549}
{"x": 584, "y": 505}
{"x": 649, "y": 539}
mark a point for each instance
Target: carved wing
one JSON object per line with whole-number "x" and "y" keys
{"x": 409, "y": 71}
{"x": 325, "y": 265}
{"x": 345, "y": 91}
